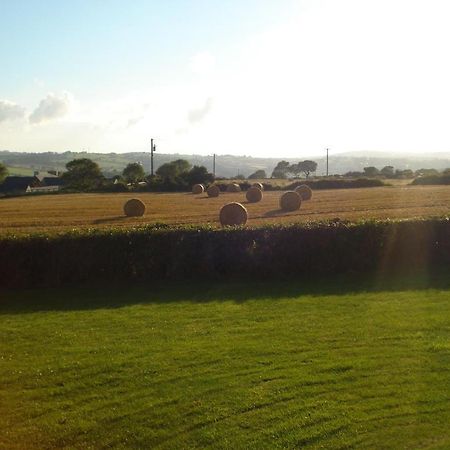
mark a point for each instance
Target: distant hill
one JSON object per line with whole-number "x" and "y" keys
{"x": 226, "y": 165}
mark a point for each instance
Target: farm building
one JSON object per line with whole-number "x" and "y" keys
{"x": 39, "y": 182}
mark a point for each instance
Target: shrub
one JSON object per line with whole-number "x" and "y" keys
{"x": 432, "y": 179}
{"x": 160, "y": 252}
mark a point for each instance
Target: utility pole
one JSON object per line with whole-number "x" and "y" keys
{"x": 152, "y": 149}
{"x": 214, "y": 165}
{"x": 327, "y": 161}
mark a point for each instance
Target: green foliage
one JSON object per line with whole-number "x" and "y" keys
{"x": 198, "y": 174}
{"x": 337, "y": 183}
{"x": 281, "y": 170}
{"x": 82, "y": 174}
{"x": 133, "y": 173}
{"x": 426, "y": 172}
{"x": 432, "y": 180}
{"x": 387, "y": 171}
{"x": 371, "y": 171}
{"x": 173, "y": 169}
{"x": 331, "y": 363}
{"x": 305, "y": 167}
{"x": 258, "y": 175}
{"x": 3, "y": 172}
{"x": 178, "y": 176}
{"x": 407, "y": 173}
{"x": 164, "y": 253}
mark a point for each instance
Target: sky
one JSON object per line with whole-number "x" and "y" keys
{"x": 245, "y": 77}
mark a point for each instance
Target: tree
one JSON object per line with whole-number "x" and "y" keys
{"x": 82, "y": 174}
{"x": 371, "y": 171}
{"x": 407, "y": 173}
{"x": 3, "y": 172}
{"x": 387, "y": 171}
{"x": 281, "y": 170}
{"x": 133, "y": 173}
{"x": 198, "y": 174}
{"x": 173, "y": 169}
{"x": 258, "y": 175}
{"x": 353, "y": 174}
{"x": 426, "y": 172}
{"x": 307, "y": 167}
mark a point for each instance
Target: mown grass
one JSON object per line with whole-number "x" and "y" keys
{"x": 333, "y": 364}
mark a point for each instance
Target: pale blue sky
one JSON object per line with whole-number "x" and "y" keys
{"x": 255, "y": 77}
{"x": 93, "y": 45}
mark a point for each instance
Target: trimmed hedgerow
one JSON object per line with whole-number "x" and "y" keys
{"x": 160, "y": 252}
{"x": 432, "y": 180}
{"x": 331, "y": 183}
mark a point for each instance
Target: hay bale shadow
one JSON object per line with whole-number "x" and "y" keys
{"x": 110, "y": 219}
{"x": 275, "y": 213}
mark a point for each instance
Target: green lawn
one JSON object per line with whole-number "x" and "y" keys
{"x": 269, "y": 365}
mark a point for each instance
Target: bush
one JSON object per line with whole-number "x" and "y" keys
{"x": 159, "y": 252}
{"x": 331, "y": 183}
{"x": 432, "y": 180}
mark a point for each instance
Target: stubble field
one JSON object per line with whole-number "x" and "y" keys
{"x": 55, "y": 213}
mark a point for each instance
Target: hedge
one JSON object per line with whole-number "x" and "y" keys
{"x": 331, "y": 183}
{"x": 432, "y": 180}
{"x": 164, "y": 253}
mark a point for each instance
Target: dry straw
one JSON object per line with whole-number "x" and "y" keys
{"x": 233, "y": 214}
{"x": 198, "y": 189}
{"x": 233, "y": 187}
{"x": 254, "y": 195}
{"x": 134, "y": 208}
{"x": 290, "y": 201}
{"x": 258, "y": 185}
{"x": 305, "y": 191}
{"x": 213, "y": 191}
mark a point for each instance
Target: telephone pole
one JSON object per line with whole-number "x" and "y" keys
{"x": 327, "y": 161}
{"x": 152, "y": 149}
{"x": 214, "y": 165}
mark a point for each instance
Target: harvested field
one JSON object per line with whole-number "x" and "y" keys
{"x": 65, "y": 212}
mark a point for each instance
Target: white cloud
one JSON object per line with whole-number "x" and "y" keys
{"x": 202, "y": 63}
{"x": 197, "y": 115}
{"x": 10, "y": 111}
{"x": 51, "y": 107}
{"x": 351, "y": 75}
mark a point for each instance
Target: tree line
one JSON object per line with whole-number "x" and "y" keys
{"x": 391, "y": 172}
{"x": 85, "y": 175}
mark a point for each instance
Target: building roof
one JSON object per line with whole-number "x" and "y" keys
{"x": 12, "y": 184}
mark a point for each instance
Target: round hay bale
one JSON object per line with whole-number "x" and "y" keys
{"x": 305, "y": 191}
{"x": 254, "y": 195}
{"x": 213, "y": 191}
{"x": 198, "y": 189}
{"x": 290, "y": 201}
{"x": 258, "y": 185}
{"x": 134, "y": 208}
{"x": 233, "y": 214}
{"x": 233, "y": 187}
